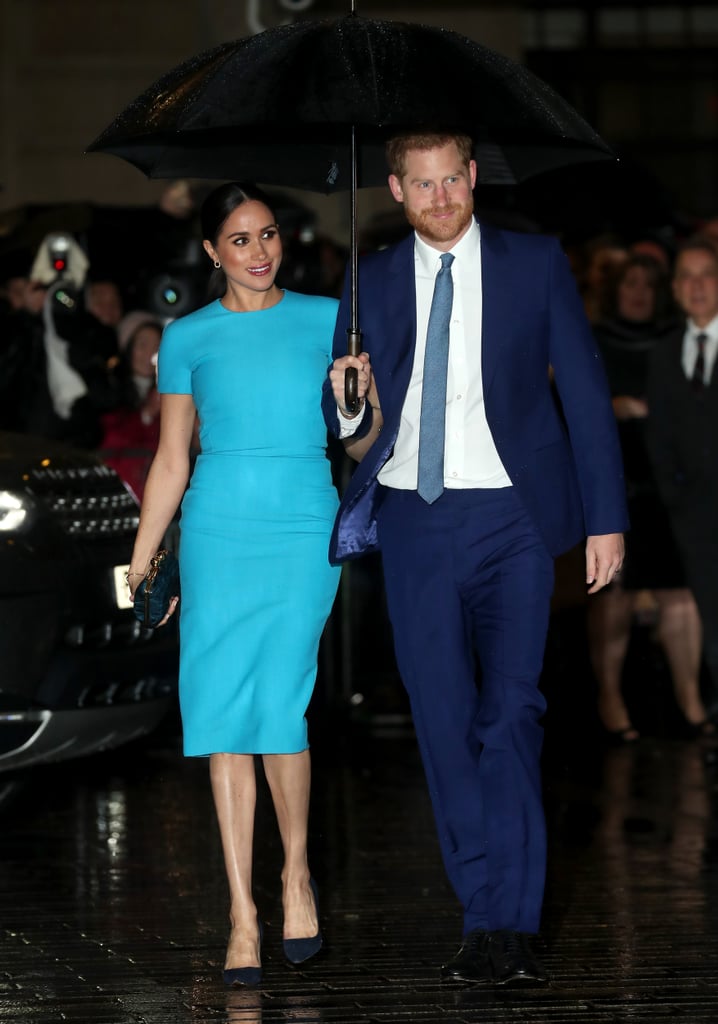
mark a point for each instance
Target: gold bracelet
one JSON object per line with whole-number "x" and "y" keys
{"x": 128, "y": 574}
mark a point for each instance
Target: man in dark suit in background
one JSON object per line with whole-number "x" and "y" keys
{"x": 470, "y": 482}
{"x": 682, "y": 434}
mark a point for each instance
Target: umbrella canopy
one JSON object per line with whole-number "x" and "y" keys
{"x": 311, "y": 104}
{"x": 276, "y": 107}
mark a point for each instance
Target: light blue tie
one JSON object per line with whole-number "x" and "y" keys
{"x": 433, "y": 395}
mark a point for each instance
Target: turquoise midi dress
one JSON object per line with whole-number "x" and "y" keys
{"x": 256, "y": 582}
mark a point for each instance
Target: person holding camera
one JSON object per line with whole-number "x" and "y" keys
{"x": 54, "y": 379}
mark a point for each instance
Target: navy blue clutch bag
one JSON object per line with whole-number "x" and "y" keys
{"x": 160, "y": 585}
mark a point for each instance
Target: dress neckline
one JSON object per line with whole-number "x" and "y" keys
{"x": 245, "y": 312}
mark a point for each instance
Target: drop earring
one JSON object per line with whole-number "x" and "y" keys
{"x": 217, "y": 265}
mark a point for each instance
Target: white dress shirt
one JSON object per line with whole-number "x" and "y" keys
{"x": 690, "y": 348}
{"x": 470, "y": 455}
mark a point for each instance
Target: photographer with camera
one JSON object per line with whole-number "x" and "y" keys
{"x": 54, "y": 380}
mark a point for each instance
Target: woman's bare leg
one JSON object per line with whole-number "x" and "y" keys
{"x": 680, "y": 635}
{"x": 609, "y": 632}
{"x": 234, "y": 788}
{"x": 289, "y": 778}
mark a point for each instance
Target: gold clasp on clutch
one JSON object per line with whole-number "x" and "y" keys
{"x": 155, "y": 563}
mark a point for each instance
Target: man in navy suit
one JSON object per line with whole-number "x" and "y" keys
{"x": 469, "y": 572}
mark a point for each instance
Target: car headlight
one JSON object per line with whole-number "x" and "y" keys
{"x": 14, "y": 511}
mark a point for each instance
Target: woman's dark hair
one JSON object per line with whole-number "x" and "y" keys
{"x": 127, "y": 392}
{"x": 657, "y": 277}
{"x": 223, "y": 201}
{"x": 156, "y": 325}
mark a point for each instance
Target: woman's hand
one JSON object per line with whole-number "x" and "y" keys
{"x": 626, "y": 407}
{"x": 170, "y": 612}
{"x": 134, "y": 580}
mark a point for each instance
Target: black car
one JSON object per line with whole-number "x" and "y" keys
{"x": 78, "y": 673}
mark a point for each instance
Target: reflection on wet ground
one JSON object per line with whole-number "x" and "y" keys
{"x": 113, "y": 898}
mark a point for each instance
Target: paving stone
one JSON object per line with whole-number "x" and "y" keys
{"x": 113, "y": 900}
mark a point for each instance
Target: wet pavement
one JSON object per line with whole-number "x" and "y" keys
{"x": 113, "y": 899}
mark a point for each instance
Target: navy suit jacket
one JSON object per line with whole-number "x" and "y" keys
{"x": 564, "y": 461}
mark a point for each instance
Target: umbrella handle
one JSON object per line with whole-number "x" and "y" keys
{"x": 351, "y": 376}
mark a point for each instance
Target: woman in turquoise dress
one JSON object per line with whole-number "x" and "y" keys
{"x": 256, "y": 582}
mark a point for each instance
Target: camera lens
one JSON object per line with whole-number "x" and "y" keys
{"x": 171, "y": 295}
{"x": 65, "y": 299}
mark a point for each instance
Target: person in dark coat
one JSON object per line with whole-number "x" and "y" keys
{"x": 638, "y": 316}
{"x": 683, "y": 434}
{"x": 50, "y": 323}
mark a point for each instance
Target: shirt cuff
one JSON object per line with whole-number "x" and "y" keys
{"x": 348, "y": 427}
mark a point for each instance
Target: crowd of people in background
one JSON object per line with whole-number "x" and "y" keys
{"x": 79, "y": 335}
{"x": 97, "y": 390}
{"x": 651, "y": 307}
{"x": 642, "y": 296}
{"x": 110, "y": 358}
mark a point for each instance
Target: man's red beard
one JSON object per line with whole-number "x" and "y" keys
{"x": 426, "y": 225}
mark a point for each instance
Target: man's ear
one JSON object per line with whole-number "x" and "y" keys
{"x": 395, "y": 187}
{"x": 472, "y": 173}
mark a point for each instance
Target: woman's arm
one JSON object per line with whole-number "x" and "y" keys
{"x": 166, "y": 482}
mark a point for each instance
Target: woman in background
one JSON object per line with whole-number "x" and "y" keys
{"x": 637, "y": 314}
{"x": 131, "y": 431}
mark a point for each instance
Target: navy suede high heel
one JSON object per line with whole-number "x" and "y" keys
{"x": 235, "y": 977}
{"x": 298, "y": 951}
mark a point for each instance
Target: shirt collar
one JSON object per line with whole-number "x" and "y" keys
{"x": 711, "y": 329}
{"x": 467, "y": 248}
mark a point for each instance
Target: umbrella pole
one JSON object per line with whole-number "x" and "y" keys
{"x": 354, "y": 346}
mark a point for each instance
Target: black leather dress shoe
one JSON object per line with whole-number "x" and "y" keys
{"x": 512, "y": 958}
{"x": 471, "y": 963}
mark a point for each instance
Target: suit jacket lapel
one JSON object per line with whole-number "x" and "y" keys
{"x": 401, "y": 310}
{"x": 498, "y": 286}
{"x": 498, "y": 300}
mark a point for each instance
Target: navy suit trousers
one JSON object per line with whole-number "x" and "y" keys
{"x": 469, "y": 583}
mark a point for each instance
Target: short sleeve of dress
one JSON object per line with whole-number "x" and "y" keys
{"x": 174, "y": 375}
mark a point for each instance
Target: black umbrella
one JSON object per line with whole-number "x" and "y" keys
{"x": 582, "y": 201}
{"x": 311, "y": 104}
